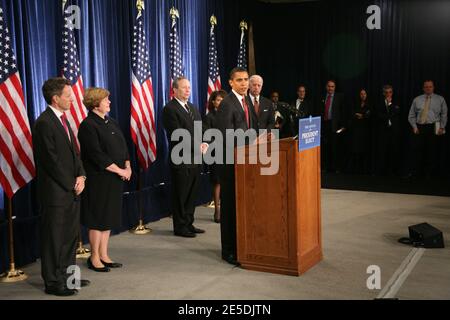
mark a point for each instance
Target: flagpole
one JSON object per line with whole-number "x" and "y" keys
{"x": 13, "y": 275}
{"x": 141, "y": 229}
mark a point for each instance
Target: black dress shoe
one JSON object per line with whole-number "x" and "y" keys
{"x": 61, "y": 292}
{"x": 84, "y": 283}
{"x": 112, "y": 264}
{"x": 196, "y": 230}
{"x": 186, "y": 234}
{"x": 92, "y": 267}
{"x": 231, "y": 259}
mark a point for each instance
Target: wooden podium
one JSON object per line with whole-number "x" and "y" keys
{"x": 278, "y": 216}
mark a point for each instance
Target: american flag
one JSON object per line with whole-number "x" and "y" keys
{"x": 71, "y": 71}
{"x": 143, "y": 129}
{"x": 16, "y": 151}
{"x": 176, "y": 61}
{"x": 242, "y": 57}
{"x": 214, "y": 83}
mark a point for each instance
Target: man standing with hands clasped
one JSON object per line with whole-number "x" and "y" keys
{"x": 428, "y": 118}
{"x": 60, "y": 181}
{"x": 180, "y": 114}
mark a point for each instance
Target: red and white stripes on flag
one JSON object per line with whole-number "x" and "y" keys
{"x": 214, "y": 83}
{"x": 16, "y": 151}
{"x": 143, "y": 129}
{"x": 72, "y": 72}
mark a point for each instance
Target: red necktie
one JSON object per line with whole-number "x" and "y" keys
{"x": 75, "y": 143}
{"x": 327, "y": 107}
{"x": 247, "y": 116}
{"x": 256, "y": 106}
{"x": 64, "y": 123}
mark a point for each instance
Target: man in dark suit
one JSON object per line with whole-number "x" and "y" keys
{"x": 334, "y": 115}
{"x": 263, "y": 107}
{"x": 60, "y": 181}
{"x": 301, "y": 108}
{"x": 235, "y": 112}
{"x": 387, "y": 133}
{"x": 180, "y": 114}
{"x": 281, "y": 115}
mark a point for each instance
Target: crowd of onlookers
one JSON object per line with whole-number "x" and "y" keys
{"x": 365, "y": 136}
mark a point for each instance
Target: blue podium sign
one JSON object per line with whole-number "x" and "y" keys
{"x": 309, "y": 133}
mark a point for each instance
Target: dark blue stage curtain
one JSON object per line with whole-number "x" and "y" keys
{"x": 104, "y": 46}
{"x": 311, "y": 42}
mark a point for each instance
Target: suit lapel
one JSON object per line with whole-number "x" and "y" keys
{"x": 182, "y": 110}
{"x": 60, "y": 127}
{"x": 238, "y": 106}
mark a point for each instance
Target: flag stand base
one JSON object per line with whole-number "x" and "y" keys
{"x": 13, "y": 275}
{"x": 141, "y": 229}
{"x": 82, "y": 253}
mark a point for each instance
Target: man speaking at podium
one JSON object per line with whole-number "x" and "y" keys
{"x": 235, "y": 112}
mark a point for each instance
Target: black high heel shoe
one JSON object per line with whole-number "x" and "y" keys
{"x": 112, "y": 264}
{"x": 92, "y": 267}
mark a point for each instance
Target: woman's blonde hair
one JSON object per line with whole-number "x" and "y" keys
{"x": 93, "y": 97}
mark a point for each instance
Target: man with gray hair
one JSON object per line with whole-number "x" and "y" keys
{"x": 263, "y": 106}
{"x": 180, "y": 114}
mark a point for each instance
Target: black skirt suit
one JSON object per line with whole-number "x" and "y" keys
{"x": 102, "y": 144}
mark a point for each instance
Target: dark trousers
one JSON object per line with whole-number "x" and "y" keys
{"x": 227, "y": 210}
{"x": 59, "y": 238}
{"x": 386, "y": 152}
{"x": 332, "y": 148}
{"x": 185, "y": 183}
{"x": 424, "y": 151}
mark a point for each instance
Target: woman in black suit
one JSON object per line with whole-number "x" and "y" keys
{"x": 209, "y": 121}
{"x": 105, "y": 157}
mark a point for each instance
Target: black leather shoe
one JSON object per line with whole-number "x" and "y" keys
{"x": 61, "y": 292}
{"x": 231, "y": 259}
{"x": 186, "y": 234}
{"x": 196, "y": 230}
{"x": 91, "y": 266}
{"x": 84, "y": 283}
{"x": 112, "y": 264}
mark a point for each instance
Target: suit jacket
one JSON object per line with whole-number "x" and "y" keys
{"x": 175, "y": 116}
{"x": 339, "y": 112}
{"x": 304, "y": 110}
{"x": 232, "y": 116}
{"x": 57, "y": 162}
{"x": 387, "y": 116}
{"x": 266, "y": 117}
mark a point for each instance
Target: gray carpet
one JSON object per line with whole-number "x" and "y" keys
{"x": 359, "y": 229}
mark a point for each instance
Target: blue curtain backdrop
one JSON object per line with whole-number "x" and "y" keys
{"x": 104, "y": 47}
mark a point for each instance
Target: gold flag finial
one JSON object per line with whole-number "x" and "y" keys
{"x": 174, "y": 13}
{"x": 64, "y": 4}
{"x": 140, "y": 5}
{"x": 213, "y": 20}
{"x": 243, "y": 25}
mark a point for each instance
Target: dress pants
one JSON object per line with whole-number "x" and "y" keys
{"x": 331, "y": 158}
{"x": 185, "y": 182}
{"x": 227, "y": 210}
{"x": 424, "y": 150}
{"x": 59, "y": 238}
